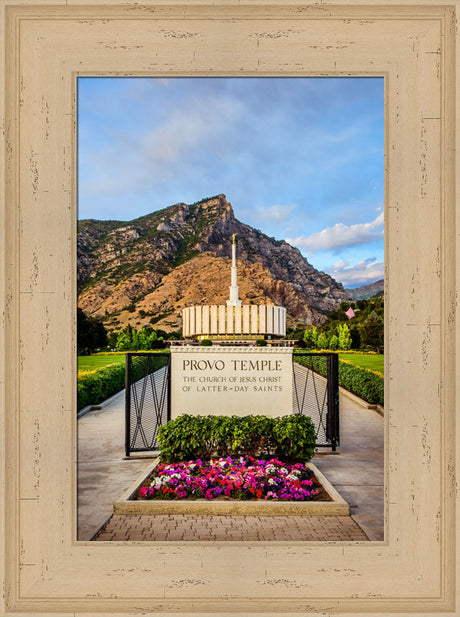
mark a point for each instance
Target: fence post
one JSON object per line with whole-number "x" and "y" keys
{"x": 168, "y": 414}
{"x": 333, "y": 400}
{"x": 128, "y": 404}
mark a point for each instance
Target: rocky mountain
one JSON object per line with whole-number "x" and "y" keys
{"x": 372, "y": 290}
{"x": 146, "y": 270}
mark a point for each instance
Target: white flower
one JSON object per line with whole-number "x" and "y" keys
{"x": 160, "y": 481}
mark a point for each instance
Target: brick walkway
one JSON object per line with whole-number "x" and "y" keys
{"x": 357, "y": 473}
{"x": 163, "y": 527}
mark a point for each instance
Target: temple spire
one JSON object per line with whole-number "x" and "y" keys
{"x": 234, "y": 300}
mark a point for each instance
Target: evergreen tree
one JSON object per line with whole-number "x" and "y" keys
{"x": 371, "y": 331}
{"x": 355, "y": 337}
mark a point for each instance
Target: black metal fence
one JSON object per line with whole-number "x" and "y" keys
{"x": 315, "y": 389}
{"x": 147, "y": 403}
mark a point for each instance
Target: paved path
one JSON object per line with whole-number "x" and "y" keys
{"x": 180, "y": 528}
{"x": 103, "y": 475}
{"x": 358, "y": 471}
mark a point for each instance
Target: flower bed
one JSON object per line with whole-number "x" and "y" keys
{"x": 242, "y": 478}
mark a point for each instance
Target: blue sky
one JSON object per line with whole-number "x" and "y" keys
{"x": 301, "y": 159}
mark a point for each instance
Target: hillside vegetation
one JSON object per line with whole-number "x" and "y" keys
{"x": 145, "y": 271}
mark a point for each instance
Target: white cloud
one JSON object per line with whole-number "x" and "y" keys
{"x": 353, "y": 275}
{"x": 341, "y": 263}
{"x": 340, "y": 236}
{"x": 188, "y": 129}
{"x": 276, "y": 213}
{"x": 185, "y": 140}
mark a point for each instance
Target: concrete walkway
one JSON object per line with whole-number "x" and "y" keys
{"x": 102, "y": 474}
{"x": 357, "y": 473}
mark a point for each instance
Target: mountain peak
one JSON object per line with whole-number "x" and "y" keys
{"x": 122, "y": 263}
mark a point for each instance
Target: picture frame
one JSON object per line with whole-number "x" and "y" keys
{"x": 45, "y": 46}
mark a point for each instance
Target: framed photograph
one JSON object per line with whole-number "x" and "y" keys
{"x": 45, "y": 48}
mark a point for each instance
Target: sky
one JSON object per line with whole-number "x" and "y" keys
{"x": 301, "y": 159}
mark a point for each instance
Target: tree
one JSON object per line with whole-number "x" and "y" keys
{"x": 371, "y": 331}
{"x": 334, "y": 342}
{"x": 314, "y": 336}
{"x": 355, "y": 337}
{"x": 112, "y": 339}
{"x": 136, "y": 341}
{"x": 323, "y": 341}
{"x": 343, "y": 332}
{"x": 307, "y": 339}
{"x": 310, "y": 337}
{"x": 175, "y": 335}
{"x": 124, "y": 342}
{"x": 91, "y": 333}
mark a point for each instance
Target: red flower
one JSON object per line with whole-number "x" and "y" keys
{"x": 258, "y": 494}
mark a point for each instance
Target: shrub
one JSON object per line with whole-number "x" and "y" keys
{"x": 99, "y": 385}
{"x": 206, "y": 342}
{"x": 261, "y": 342}
{"x": 359, "y": 381}
{"x": 290, "y": 438}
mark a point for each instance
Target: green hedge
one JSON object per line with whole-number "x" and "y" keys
{"x": 290, "y": 438}
{"x": 105, "y": 382}
{"x": 359, "y": 381}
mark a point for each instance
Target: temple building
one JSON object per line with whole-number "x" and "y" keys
{"x": 234, "y": 321}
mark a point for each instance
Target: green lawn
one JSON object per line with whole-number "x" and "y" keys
{"x": 374, "y": 362}
{"x": 369, "y": 361}
{"x": 89, "y": 363}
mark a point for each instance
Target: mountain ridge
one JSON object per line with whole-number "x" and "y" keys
{"x": 120, "y": 263}
{"x": 365, "y": 292}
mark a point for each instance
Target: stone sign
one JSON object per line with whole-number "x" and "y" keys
{"x": 231, "y": 380}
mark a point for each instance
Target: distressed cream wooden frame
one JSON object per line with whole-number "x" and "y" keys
{"x": 44, "y": 46}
